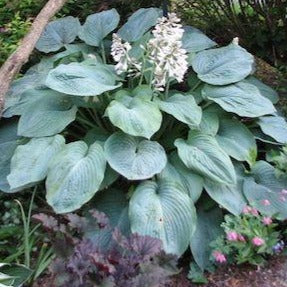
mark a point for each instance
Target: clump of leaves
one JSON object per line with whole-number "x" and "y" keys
{"x": 135, "y": 261}
{"x": 248, "y": 238}
{"x": 279, "y": 158}
{"x": 155, "y": 109}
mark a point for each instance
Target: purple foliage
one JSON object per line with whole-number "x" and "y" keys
{"x": 133, "y": 261}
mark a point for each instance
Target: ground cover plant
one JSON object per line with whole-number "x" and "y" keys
{"x": 153, "y": 124}
{"x": 104, "y": 257}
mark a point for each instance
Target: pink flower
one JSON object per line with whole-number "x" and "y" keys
{"x": 257, "y": 241}
{"x": 247, "y": 209}
{"x": 232, "y": 236}
{"x": 219, "y": 257}
{"x": 265, "y": 202}
{"x": 241, "y": 238}
{"x": 254, "y": 211}
{"x": 267, "y": 220}
{"x": 284, "y": 191}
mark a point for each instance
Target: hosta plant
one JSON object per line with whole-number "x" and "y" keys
{"x": 144, "y": 120}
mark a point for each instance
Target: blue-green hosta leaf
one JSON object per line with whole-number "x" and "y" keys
{"x": 134, "y": 158}
{"x": 265, "y": 174}
{"x": 259, "y": 135}
{"x": 237, "y": 141}
{"x": 114, "y": 204}
{"x": 267, "y": 201}
{"x": 209, "y": 123}
{"x": 229, "y": 196}
{"x": 96, "y": 134}
{"x": 176, "y": 171}
{"x": 265, "y": 90}
{"x": 30, "y": 162}
{"x": 194, "y": 40}
{"x": 58, "y": 33}
{"x": 242, "y": 98}
{"x": 80, "y": 79}
{"x": 202, "y": 154}
{"x": 45, "y": 114}
{"x": 223, "y": 66}
{"x": 98, "y": 26}
{"x": 139, "y": 23}
{"x": 74, "y": 176}
{"x": 135, "y": 116}
{"x": 207, "y": 229}
{"x": 183, "y": 108}
{"x": 34, "y": 79}
{"x": 110, "y": 177}
{"x": 275, "y": 127}
{"x": 8, "y": 144}
{"x": 163, "y": 210}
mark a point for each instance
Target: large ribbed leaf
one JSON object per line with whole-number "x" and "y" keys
{"x": 265, "y": 174}
{"x": 274, "y": 126}
{"x": 74, "y": 176}
{"x": 209, "y": 123}
{"x": 8, "y": 144}
{"x": 45, "y": 114}
{"x": 58, "y": 33}
{"x": 114, "y": 204}
{"x": 242, "y": 98}
{"x": 237, "y": 141}
{"x": 176, "y": 171}
{"x": 139, "y": 23}
{"x": 207, "y": 229}
{"x": 80, "y": 79}
{"x": 34, "y": 79}
{"x": 163, "y": 210}
{"x": 222, "y": 66}
{"x": 183, "y": 108}
{"x": 134, "y": 158}
{"x": 230, "y": 196}
{"x": 202, "y": 154}
{"x": 135, "y": 116}
{"x": 30, "y": 162}
{"x": 98, "y": 26}
{"x": 258, "y": 194}
{"x": 194, "y": 40}
{"x": 265, "y": 90}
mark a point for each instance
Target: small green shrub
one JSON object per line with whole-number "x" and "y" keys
{"x": 279, "y": 158}
{"x": 147, "y": 125}
{"x": 248, "y": 238}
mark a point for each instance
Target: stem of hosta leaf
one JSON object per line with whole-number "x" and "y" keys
{"x": 196, "y": 86}
{"x": 82, "y": 114}
{"x": 151, "y": 76}
{"x": 166, "y": 90}
{"x": 86, "y": 122}
{"x": 142, "y": 71}
{"x": 103, "y": 52}
{"x": 207, "y": 104}
{"x": 98, "y": 120}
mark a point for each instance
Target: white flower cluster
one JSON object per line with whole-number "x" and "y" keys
{"x": 166, "y": 52}
{"x": 120, "y": 53}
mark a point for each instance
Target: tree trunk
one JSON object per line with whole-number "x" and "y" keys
{"x": 14, "y": 63}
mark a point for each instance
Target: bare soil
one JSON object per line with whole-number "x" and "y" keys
{"x": 274, "y": 274}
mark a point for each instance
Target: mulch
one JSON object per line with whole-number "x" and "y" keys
{"x": 274, "y": 274}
